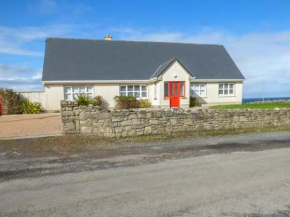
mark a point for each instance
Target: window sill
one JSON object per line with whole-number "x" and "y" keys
{"x": 226, "y": 96}
{"x": 199, "y": 96}
{"x": 183, "y": 97}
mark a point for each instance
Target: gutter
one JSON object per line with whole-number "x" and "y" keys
{"x": 98, "y": 82}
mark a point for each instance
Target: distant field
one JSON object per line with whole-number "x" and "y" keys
{"x": 252, "y": 106}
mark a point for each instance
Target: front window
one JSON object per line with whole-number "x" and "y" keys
{"x": 226, "y": 89}
{"x": 72, "y": 92}
{"x": 197, "y": 90}
{"x": 139, "y": 91}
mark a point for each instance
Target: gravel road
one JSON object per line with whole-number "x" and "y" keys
{"x": 238, "y": 175}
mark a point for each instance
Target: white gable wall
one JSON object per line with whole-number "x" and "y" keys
{"x": 175, "y": 72}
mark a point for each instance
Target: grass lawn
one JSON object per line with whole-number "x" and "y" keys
{"x": 252, "y": 106}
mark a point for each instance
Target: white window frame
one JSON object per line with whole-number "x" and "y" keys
{"x": 226, "y": 89}
{"x": 71, "y": 93}
{"x": 196, "y": 93}
{"x": 134, "y": 91}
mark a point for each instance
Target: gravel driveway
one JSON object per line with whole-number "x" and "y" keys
{"x": 29, "y": 125}
{"x": 237, "y": 175}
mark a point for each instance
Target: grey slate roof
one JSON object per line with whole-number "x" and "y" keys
{"x": 82, "y": 59}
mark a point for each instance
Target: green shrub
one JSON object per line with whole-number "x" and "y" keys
{"x": 145, "y": 103}
{"x": 10, "y": 101}
{"x": 98, "y": 101}
{"x": 126, "y": 102}
{"x": 193, "y": 101}
{"x": 28, "y": 107}
{"x": 83, "y": 99}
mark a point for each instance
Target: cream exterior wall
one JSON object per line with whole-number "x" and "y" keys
{"x": 175, "y": 73}
{"x": 212, "y": 94}
{"x": 54, "y": 94}
{"x": 108, "y": 92}
{"x": 36, "y": 96}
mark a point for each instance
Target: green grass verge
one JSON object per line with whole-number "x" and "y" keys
{"x": 252, "y": 106}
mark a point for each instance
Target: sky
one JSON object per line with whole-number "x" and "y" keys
{"x": 256, "y": 33}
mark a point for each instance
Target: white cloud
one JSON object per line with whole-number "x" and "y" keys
{"x": 15, "y": 40}
{"x": 20, "y": 78}
{"x": 263, "y": 58}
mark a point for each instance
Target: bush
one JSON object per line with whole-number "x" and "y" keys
{"x": 83, "y": 99}
{"x": 126, "y": 102}
{"x": 145, "y": 103}
{"x": 99, "y": 101}
{"x": 193, "y": 101}
{"x": 28, "y": 107}
{"x": 11, "y": 101}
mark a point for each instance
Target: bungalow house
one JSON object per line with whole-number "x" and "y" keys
{"x": 165, "y": 73}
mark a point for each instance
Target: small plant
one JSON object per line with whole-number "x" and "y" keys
{"x": 126, "y": 102}
{"x": 145, "y": 103}
{"x": 84, "y": 99}
{"x": 10, "y": 101}
{"x": 193, "y": 101}
{"x": 28, "y": 107}
{"x": 98, "y": 101}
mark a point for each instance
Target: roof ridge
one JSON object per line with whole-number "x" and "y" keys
{"x": 165, "y": 42}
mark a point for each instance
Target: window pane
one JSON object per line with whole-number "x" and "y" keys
{"x": 231, "y": 91}
{"x": 176, "y": 89}
{"x": 123, "y": 93}
{"x": 130, "y": 87}
{"x": 130, "y": 94}
{"x": 226, "y": 86}
{"x": 75, "y": 89}
{"x": 144, "y": 94}
{"x": 202, "y": 87}
{"x": 165, "y": 89}
{"x": 144, "y": 88}
{"x": 82, "y": 89}
{"x": 202, "y": 92}
{"x": 89, "y": 89}
{"x": 221, "y": 86}
{"x": 182, "y": 89}
{"x": 226, "y": 92}
{"x": 137, "y": 94}
{"x": 231, "y": 86}
{"x": 67, "y": 89}
{"x": 123, "y": 88}
{"x": 221, "y": 92}
{"x": 137, "y": 87}
{"x": 171, "y": 89}
{"x": 67, "y": 96}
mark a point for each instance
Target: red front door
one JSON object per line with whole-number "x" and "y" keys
{"x": 174, "y": 93}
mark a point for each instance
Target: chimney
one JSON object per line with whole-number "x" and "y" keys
{"x": 108, "y": 38}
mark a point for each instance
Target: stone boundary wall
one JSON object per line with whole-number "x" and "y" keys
{"x": 126, "y": 123}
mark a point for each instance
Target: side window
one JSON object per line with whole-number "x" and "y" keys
{"x": 72, "y": 92}
{"x": 226, "y": 89}
{"x": 198, "y": 90}
{"x": 139, "y": 91}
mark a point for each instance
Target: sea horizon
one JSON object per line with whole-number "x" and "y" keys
{"x": 259, "y": 99}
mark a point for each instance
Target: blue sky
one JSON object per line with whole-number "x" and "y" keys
{"x": 255, "y": 33}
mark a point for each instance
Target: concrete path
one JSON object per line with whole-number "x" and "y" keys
{"x": 29, "y": 125}
{"x": 242, "y": 184}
